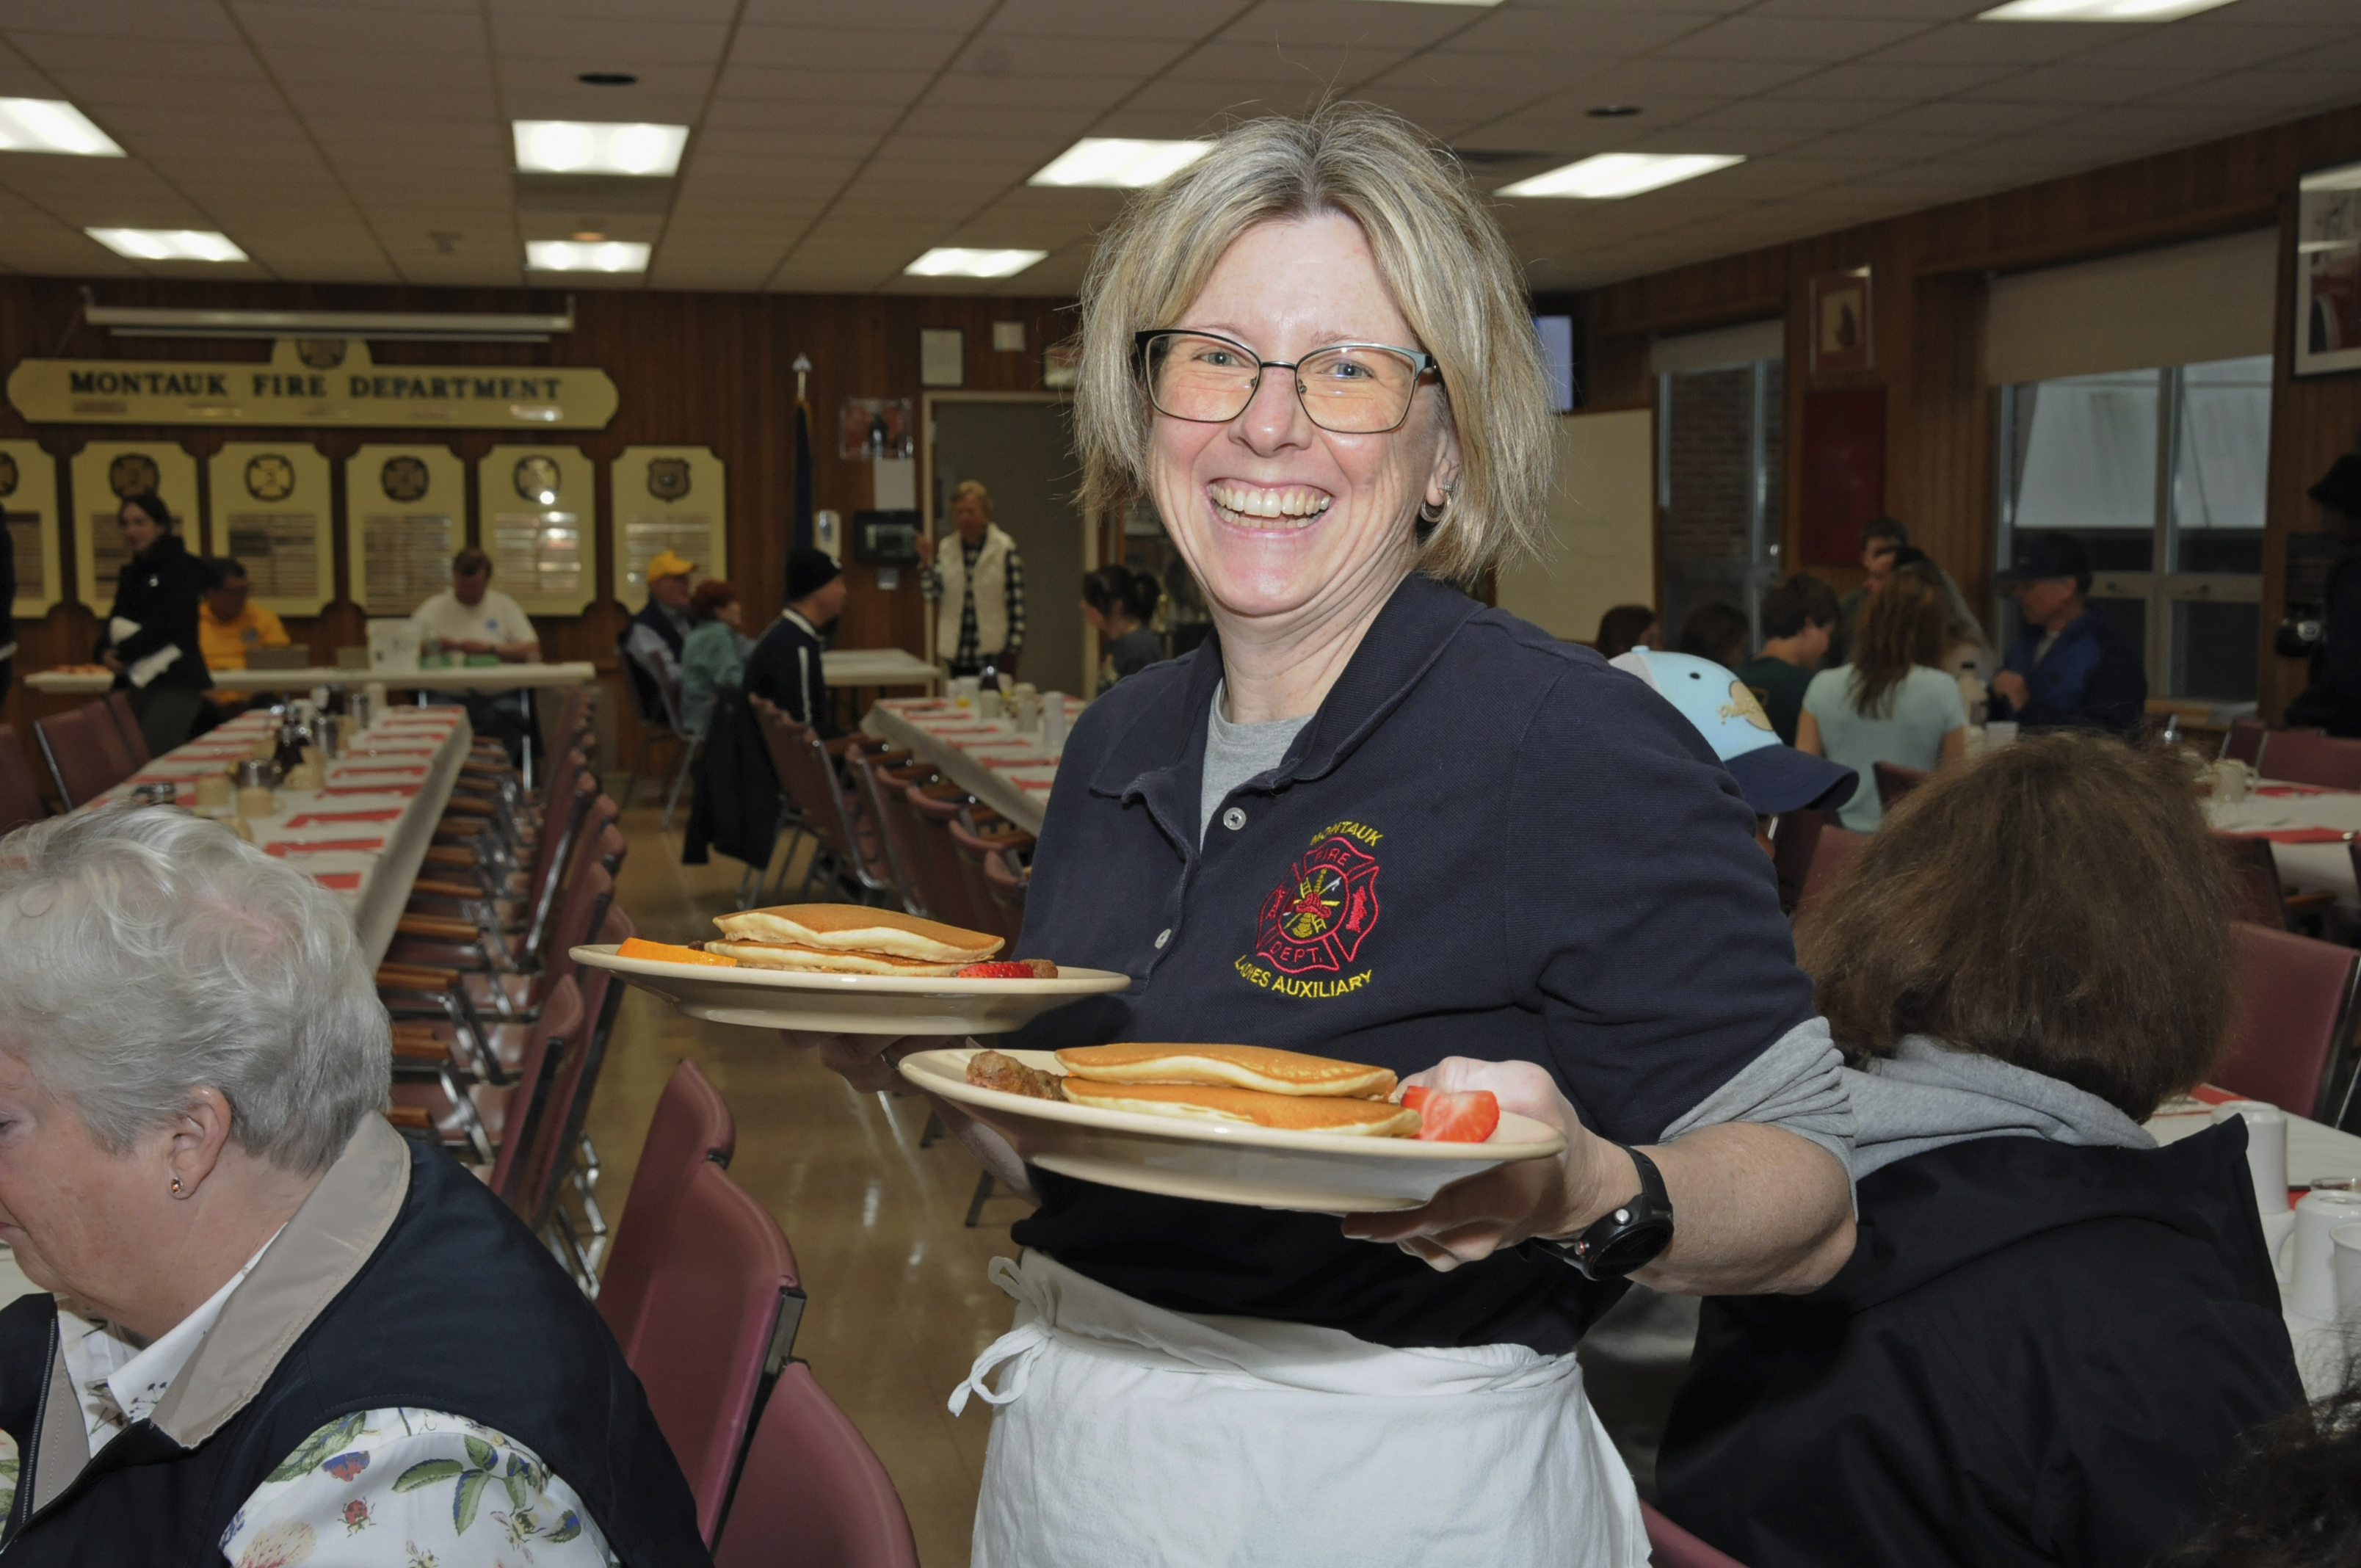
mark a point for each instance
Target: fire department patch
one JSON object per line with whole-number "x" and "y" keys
{"x": 1314, "y": 922}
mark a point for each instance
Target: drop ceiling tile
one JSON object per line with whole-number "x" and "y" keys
{"x": 779, "y": 119}
{"x": 1876, "y": 145}
{"x": 994, "y": 56}
{"x": 1813, "y": 40}
{"x": 935, "y": 117}
{"x": 1642, "y": 81}
{"x": 775, "y": 84}
{"x": 1188, "y": 19}
{"x": 1894, "y": 80}
{"x": 1505, "y": 76}
{"x": 2341, "y": 56}
{"x": 1916, "y": 10}
{"x": 2079, "y": 84}
{"x": 120, "y": 19}
{"x": 890, "y": 16}
{"x": 272, "y": 24}
{"x": 616, "y": 44}
{"x": 671, "y": 94}
{"x": 1303, "y": 68}
{"x": 1830, "y": 113}
{"x": 1572, "y": 35}
{"x": 1977, "y": 119}
{"x": 1324, "y": 21}
{"x": 2221, "y": 47}
{"x": 616, "y": 10}
{"x": 1561, "y": 126}
{"x": 2000, "y": 43}
{"x": 842, "y": 49}
{"x": 84, "y": 55}
{"x": 754, "y": 129}
{"x": 1195, "y": 108}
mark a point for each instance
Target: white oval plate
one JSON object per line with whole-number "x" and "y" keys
{"x": 1223, "y": 1162}
{"x": 851, "y": 1004}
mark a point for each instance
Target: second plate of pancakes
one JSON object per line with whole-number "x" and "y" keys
{"x": 1223, "y": 1162}
{"x": 851, "y": 1004}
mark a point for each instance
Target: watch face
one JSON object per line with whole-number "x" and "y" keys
{"x": 1634, "y": 1248}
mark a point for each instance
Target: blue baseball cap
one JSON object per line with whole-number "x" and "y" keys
{"x": 1774, "y": 777}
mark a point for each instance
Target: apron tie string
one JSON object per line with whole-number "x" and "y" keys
{"x": 1015, "y": 1349}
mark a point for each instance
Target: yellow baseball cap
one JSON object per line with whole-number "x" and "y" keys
{"x": 668, "y": 564}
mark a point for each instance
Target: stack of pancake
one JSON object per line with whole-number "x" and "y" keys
{"x": 848, "y": 939}
{"x": 1267, "y": 1088}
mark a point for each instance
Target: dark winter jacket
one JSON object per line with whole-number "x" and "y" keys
{"x": 158, "y": 590}
{"x": 2039, "y": 1353}
{"x": 735, "y": 804}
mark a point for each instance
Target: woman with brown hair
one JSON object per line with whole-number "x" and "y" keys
{"x": 1892, "y": 703}
{"x": 2052, "y": 1331}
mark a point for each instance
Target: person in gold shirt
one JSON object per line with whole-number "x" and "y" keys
{"x": 228, "y": 625}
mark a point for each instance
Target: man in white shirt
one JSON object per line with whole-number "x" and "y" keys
{"x": 471, "y": 617}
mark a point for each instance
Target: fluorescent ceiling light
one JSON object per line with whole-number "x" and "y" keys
{"x": 1119, "y": 163}
{"x": 588, "y": 146}
{"x": 952, "y": 262}
{"x": 574, "y": 256}
{"x": 1610, "y": 175}
{"x": 2096, "y": 10}
{"x": 48, "y": 125}
{"x": 167, "y": 245}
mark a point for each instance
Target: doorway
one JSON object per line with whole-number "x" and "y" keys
{"x": 1020, "y": 446}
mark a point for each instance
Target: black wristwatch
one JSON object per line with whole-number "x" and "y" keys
{"x": 1629, "y": 1236}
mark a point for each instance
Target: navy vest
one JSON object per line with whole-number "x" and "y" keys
{"x": 459, "y": 1310}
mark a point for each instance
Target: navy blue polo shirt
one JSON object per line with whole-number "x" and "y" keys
{"x": 1486, "y": 843}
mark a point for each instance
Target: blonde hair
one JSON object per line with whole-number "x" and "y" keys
{"x": 967, "y": 487}
{"x": 1441, "y": 255}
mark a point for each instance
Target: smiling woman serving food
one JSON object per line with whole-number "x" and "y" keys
{"x": 1371, "y": 819}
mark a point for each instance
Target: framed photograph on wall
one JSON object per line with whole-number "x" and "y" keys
{"x": 874, "y": 427}
{"x": 1841, "y": 330}
{"x": 2328, "y": 271}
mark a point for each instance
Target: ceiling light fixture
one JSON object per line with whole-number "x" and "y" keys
{"x": 607, "y": 79}
{"x": 50, "y": 124}
{"x": 574, "y": 256}
{"x": 1118, "y": 163}
{"x": 2096, "y": 10}
{"x": 1610, "y": 176}
{"x": 950, "y": 261}
{"x": 591, "y": 146}
{"x": 167, "y": 245}
{"x": 1613, "y": 111}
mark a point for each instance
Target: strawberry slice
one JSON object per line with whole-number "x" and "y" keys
{"x": 1468, "y": 1117}
{"x": 1010, "y": 968}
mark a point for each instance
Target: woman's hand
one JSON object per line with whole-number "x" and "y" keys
{"x": 1475, "y": 1217}
{"x": 923, "y": 544}
{"x": 2010, "y": 685}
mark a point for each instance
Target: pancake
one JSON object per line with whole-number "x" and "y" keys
{"x": 789, "y": 956}
{"x": 1241, "y": 1067}
{"x": 1220, "y": 1103}
{"x": 856, "y": 928}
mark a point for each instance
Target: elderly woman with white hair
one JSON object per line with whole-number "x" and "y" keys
{"x": 1371, "y": 819}
{"x": 279, "y": 1332}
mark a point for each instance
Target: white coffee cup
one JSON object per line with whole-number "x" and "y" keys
{"x": 2345, "y": 1242}
{"x": 1999, "y": 732}
{"x": 2265, "y": 1151}
{"x": 1053, "y": 721}
{"x": 987, "y": 702}
{"x": 2312, "y": 1288}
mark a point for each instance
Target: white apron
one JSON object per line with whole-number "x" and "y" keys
{"x": 1128, "y": 1434}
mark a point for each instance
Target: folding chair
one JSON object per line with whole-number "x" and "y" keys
{"x": 1893, "y": 782}
{"x": 691, "y": 741}
{"x": 2292, "y": 1043}
{"x": 83, "y": 762}
{"x": 20, "y": 795}
{"x": 2262, "y": 897}
{"x": 811, "y": 1493}
{"x": 126, "y": 725}
{"x": 692, "y": 1126}
{"x": 2244, "y": 742}
{"x": 1833, "y": 852}
{"x": 2312, "y": 757}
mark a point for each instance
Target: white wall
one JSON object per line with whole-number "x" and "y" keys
{"x": 1602, "y": 524}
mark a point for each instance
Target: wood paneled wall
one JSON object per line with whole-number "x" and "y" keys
{"x": 1931, "y": 276}
{"x": 692, "y": 369}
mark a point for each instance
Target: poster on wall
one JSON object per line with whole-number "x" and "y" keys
{"x": 105, "y": 471}
{"x": 2328, "y": 271}
{"x": 874, "y": 427}
{"x": 406, "y": 516}
{"x": 538, "y": 509}
{"x": 667, "y": 498}
{"x": 270, "y": 508}
{"x": 1842, "y": 458}
{"x": 1840, "y": 330}
{"x": 28, "y": 495}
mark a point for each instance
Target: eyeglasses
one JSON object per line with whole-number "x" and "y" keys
{"x": 1351, "y": 389}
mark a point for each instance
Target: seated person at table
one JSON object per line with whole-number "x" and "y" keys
{"x": 2067, "y": 668}
{"x": 277, "y": 1324}
{"x": 1799, "y": 618}
{"x": 228, "y": 624}
{"x": 784, "y": 668}
{"x": 473, "y": 617}
{"x": 713, "y": 656}
{"x": 1890, "y": 704}
{"x": 655, "y": 638}
{"x": 1717, "y": 631}
{"x": 1119, "y": 603}
{"x": 1626, "y": 627}
{"x": 2052, "y": 1331}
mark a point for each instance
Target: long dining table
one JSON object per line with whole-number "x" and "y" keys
{"x": 2310, "y": 828}
{"x": 1007, "y": 769}
{"x": 364, "y": 836}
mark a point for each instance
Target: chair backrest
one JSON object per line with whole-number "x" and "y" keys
{"x": 933, "y": 807}
{"x": 550, "y": 1041}
{"x": 2243, "y": 743}
{"x": 692, "y": 1125}
{"x": 1795, "y": 837}
{"x": 2294, "y": 1017}
{"x": 2255, "y": 879}
{"x": 975, "y": 854}
{"x": 20, "y": 795}
{"x": 78, "y": 759}
{"x": 667, "y": 688}
{"x": 812, "y": 1493}
{"x": 2307, "y": 756}
{"x": 126, "y": 724}
{"x": 1006, "y": 886}
{"x": 110, "y": 740}
{"x": 552, "y": 849}
{"x": 712, "y": 1329}
{"x": 1893, "y": 782}
{"x": 891, "y": 813}
{"x": 1836, "y": 846}
{"x": 534, "y": 1192}
{"x": 1670, "y": 1546}
{"x": 799, "y": 758}
{"x": 583, "y": 905}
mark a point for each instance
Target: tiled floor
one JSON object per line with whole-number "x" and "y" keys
{"x": 899, "y": 1302}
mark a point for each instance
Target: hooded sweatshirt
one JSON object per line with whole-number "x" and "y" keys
{"x": 2044, "y": 1349}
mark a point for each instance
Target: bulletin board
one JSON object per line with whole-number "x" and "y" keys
{"x": 405, "y": 517}
{"x": 271, "y": 507}
{"x": 667, "y": 498}
{"x": 538, "y": 520}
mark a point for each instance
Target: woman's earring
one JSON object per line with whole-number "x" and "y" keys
{"x": 176, "y": 1187}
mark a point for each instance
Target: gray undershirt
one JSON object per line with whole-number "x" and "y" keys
{"x": 1237, "y": 753}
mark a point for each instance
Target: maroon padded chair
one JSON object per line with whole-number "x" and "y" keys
{"x": 1670, "y": 1546}
{"x": 812, "y": 1493}
{"x": 692, "y": 1126}
{"x": 1895, "y": 781}
{"x": 2262, "y": 896}
{"x": 2244, "y": 742}
{"x": 1835, "y": 850}
{"x": 126, "y": 724}
{"x": 977, "y": 854}
{"x": 1794, "y": 840}
{"x": 20, "y": 795}
{"x": 933, "y": 808}
{"x": 881, "y": 787}
{"x": 80, "y": 762}
{"x": 2309, "y": 756}
{"x": 1006, "y": 886}
{"x": 800, "y": 757}
{"x": 2294, "y": 1018}
{"x": 720, "y": 1319}
{"x": 119, "y": 760}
